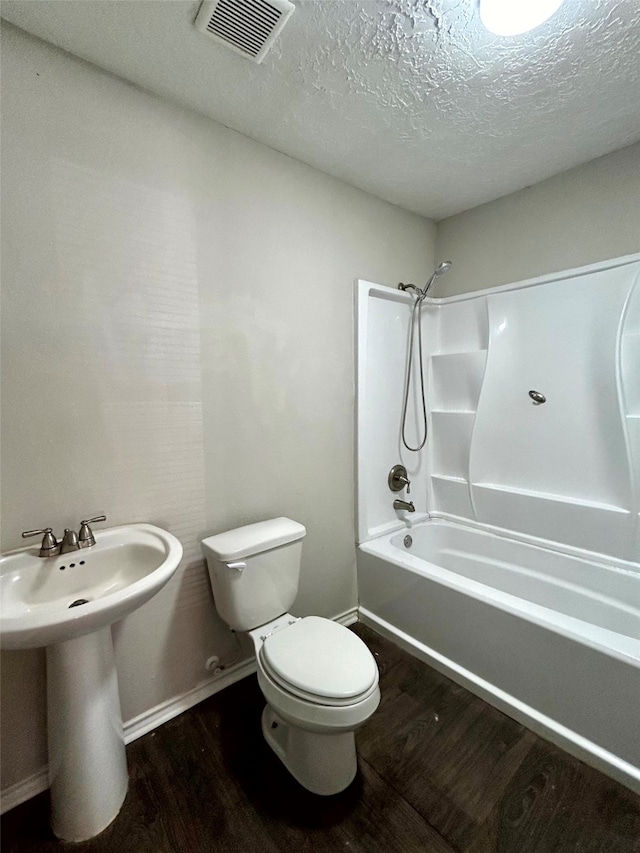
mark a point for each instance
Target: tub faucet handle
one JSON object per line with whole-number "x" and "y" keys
{"x": 398, "y": 479}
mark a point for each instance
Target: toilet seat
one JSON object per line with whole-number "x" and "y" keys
{"x": 320, "y": 661}
{"x": 312, "y": 698}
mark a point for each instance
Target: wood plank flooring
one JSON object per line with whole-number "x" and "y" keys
{"x": 440, "y": 771}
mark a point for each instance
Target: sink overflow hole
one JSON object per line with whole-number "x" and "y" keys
{"x": 71, "y": 565}
{"x": 79, "y": 601}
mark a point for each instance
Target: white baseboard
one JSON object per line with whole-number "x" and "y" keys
{"x": 348, "y": 617}
{"x": 149, "y": 720}
{"x": 165, "y": 711}
{"x": 24, "y": 790}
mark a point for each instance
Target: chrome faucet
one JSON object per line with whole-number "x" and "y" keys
{"x": 71, "y": 541}
{"x": 408, "y": 505}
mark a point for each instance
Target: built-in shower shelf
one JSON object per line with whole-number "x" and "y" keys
{"x": 461, "y": 353}
{"x": 456, "y": 380}
{"x": 450, "y": 440}
{"x": 560, "y": 518}
{"x": 465, "y": 327}
{"x": 452, "y": 414}
{"x": 551, "y": 497}
{"x": 453, "y": 411}
{"x": 451, "y": 495}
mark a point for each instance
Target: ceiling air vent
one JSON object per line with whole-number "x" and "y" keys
{"x": 249, "y": 27}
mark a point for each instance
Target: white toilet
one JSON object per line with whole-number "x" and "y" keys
{"x": 319, "y": 679}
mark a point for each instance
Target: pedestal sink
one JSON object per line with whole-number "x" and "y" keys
{"x": 68, "y": 603}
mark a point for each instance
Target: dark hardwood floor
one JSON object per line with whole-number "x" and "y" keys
{"x": 439, "y": 771}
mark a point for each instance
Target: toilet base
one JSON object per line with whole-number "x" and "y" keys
{"x": 323, "y": 763}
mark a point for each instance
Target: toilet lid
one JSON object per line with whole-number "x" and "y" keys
{"x": 321, "y": 658}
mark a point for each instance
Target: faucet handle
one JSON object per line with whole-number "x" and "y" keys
{"x": 94, "y": 520}
{"x": 45, "y": 530}
{"x": 50, "y": 547}
{"x": 398, "y": 479}
{"x": 86, "y": 538}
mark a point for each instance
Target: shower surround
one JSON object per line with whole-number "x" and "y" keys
{"x": 522, "y": 580}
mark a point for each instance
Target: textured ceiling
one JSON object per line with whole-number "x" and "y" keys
{"x": 410, "y": 100}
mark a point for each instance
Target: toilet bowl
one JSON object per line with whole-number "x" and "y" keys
{"x": 321, "y": 684}
{"x": 319, "y": 679}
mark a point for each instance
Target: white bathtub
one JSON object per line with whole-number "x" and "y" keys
{"x": 552, "y": 639}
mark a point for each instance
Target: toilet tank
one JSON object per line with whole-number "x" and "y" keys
{"x": 254, "y": 571}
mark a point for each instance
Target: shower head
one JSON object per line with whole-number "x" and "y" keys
{"x": 445, "y": 266}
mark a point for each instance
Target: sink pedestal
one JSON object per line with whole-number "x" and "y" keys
{"x": 67, "y": 604}
{"x": 87, "y": 763}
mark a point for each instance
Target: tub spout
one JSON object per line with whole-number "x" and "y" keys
{"x": 408, "y": 505}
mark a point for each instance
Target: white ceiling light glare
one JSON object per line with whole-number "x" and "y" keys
{"x": 514, "y": 17}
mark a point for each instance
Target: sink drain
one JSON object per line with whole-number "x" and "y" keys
{"x": 78, "y": 602}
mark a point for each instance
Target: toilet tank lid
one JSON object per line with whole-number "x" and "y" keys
{"x": 253, "y": 538}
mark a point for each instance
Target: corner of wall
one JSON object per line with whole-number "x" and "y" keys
{"x": 587, "y": 214}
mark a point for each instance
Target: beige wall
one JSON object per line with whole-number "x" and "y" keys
{"x": 587, "y": 214}
{"x": 177, "y": 348}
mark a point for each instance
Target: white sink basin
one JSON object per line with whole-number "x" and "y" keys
{"x": 124, "y": 569}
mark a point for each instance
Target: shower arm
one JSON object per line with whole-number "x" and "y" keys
{"x": 445, "y": 266}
